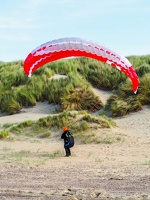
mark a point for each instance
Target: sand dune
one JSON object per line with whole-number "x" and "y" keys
{"x": 120, "y": 170}
{"x": 42, "y": 109}
{"x": 137, "y": 122}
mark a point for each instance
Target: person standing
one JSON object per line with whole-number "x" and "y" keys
{"x": 68, "y": 140}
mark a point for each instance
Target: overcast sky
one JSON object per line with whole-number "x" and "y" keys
{"x": 121, "y": 25}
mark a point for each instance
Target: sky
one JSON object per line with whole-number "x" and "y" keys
{"x": 121, "y": 25}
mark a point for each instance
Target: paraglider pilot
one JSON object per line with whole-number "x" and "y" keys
{"x": 66, "y": 142}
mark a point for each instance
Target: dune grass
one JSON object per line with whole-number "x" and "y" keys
{"x": 101, "y": 75}
{"x": 85, "y": 127}
{"x": 77, "y": 122}
{"x": 4, "y": 133}
{"x": 17, "y": 90}
{"x": 124, "y": 101}
{"x": 74, "y": 92}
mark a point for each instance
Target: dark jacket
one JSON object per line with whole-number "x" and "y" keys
{"x": 64, "y": 137}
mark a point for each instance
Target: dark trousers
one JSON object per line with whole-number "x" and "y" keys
{"x": 68, "y": 152}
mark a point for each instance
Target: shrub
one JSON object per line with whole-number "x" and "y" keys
{"x": 81, "y": 99}
{"x": 26, "y": 124}
{"x": 45, "y": 134}
{"x": 84, "y": 126}
{"x": 142, "y": 70}
{"x": 144, "y": 88}
{"x": 98, "y": 120}
{"x": 26, "y": 96}
{"x": 9, "y": 105}
{"x": 36, "y": 87}
{"x": 4, "y": 134}
{"x": 101, "y": 75}
{"x": 117, "y": 106}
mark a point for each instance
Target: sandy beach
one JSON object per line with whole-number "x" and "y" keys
{"x": 37, "y": 169}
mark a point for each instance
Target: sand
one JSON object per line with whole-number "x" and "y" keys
{"x": 37, "y": 169}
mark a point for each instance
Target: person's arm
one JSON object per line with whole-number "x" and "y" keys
{"x": 62, "y": 136}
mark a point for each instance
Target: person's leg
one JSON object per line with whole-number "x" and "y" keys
{"x": 67, "y": 151}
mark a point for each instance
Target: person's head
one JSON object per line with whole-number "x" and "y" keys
{"x": 65, "y": 129}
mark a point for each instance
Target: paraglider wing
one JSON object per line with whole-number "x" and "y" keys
{"x": 68, "y": 47}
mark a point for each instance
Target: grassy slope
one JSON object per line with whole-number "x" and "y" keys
{"x": 74, "y": 92}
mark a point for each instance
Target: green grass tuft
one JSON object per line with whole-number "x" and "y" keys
{"x": 4, "y": 133}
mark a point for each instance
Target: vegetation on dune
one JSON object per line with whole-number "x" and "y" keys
{"x": 71, "y": 93}
{"x": 124, "y": 100}
{"x": 4, "y": 133}
{"x": 74, "y": 92}
{"x": 73, "y": 120}
{"x": 83, "y": 125}
{"x": 101, "y": 75}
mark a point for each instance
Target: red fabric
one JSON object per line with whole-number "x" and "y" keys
{"x": 49, "y": 52}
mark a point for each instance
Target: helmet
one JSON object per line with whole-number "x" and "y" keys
{"x": 65, "y": 128}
